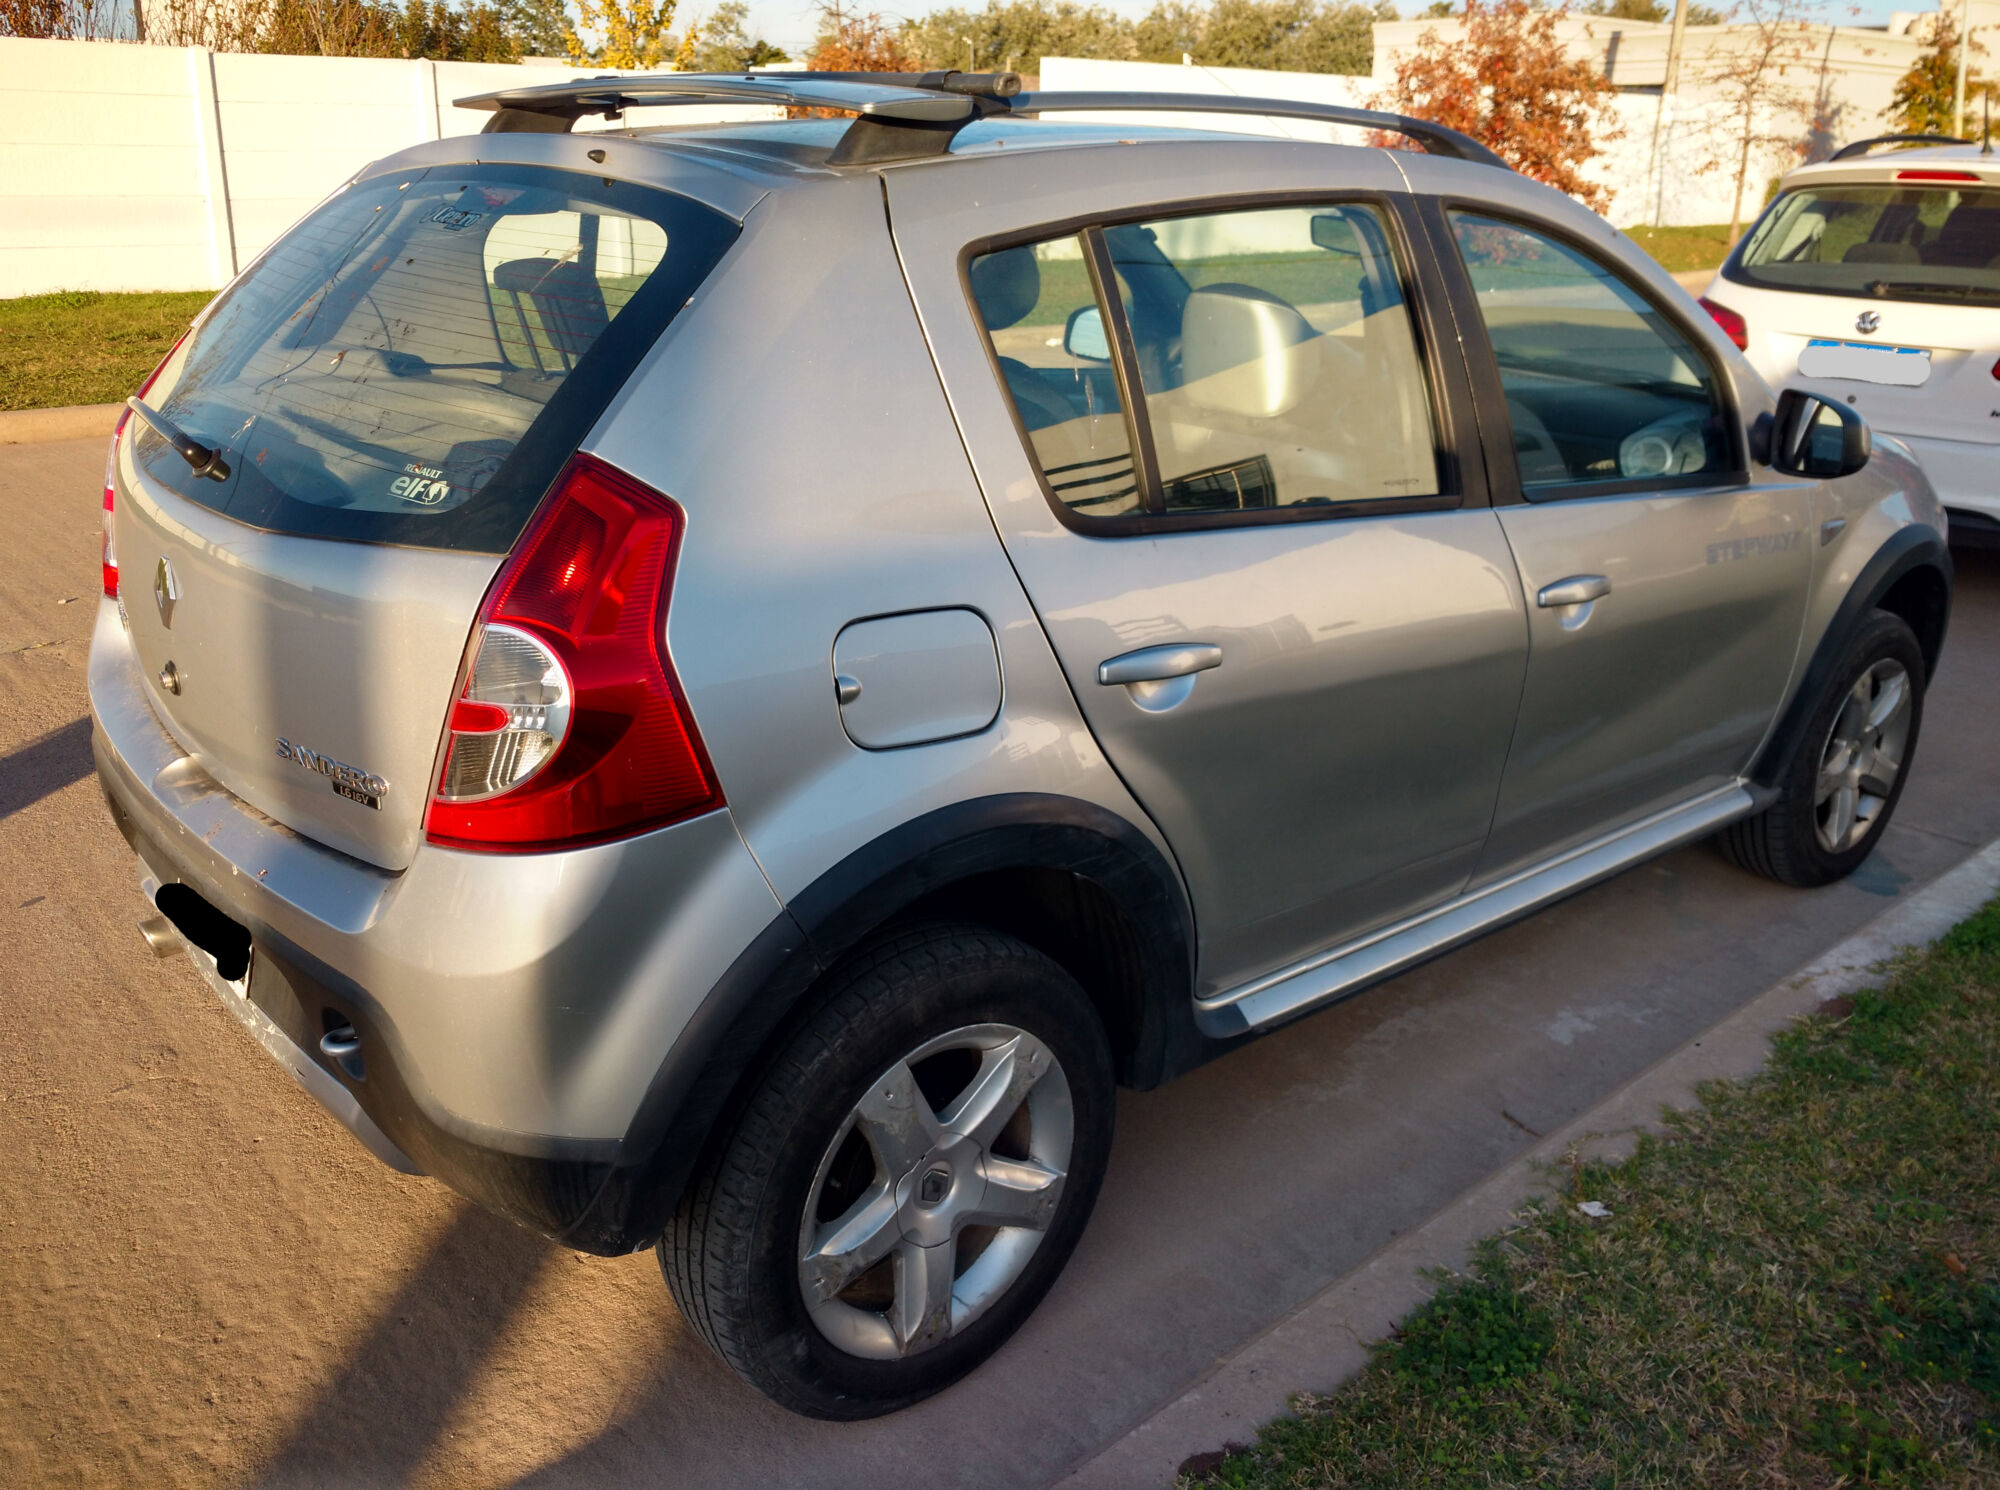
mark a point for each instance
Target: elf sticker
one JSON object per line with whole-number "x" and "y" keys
{"x": 454, "y": 219}
{"x": 423, "y": 485}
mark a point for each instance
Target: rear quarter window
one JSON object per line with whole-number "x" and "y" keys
{"x": 415, "y": 361}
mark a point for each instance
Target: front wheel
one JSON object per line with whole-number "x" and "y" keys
{"x": 1842, "y": 784}
{"x": 905, "y": 1181}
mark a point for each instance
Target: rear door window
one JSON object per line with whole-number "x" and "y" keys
{"x": 414, "y": 362}
{"x": 1886, "y": 242}
{"x": 1260, "y": 364}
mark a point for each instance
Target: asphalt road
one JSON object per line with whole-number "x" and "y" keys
{"x": 205, "y": 1281}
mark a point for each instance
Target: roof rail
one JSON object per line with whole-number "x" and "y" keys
{"x": 912, "y": 115}
{"x": 1862, "y": 147}
{"x": 1435, "y": 138}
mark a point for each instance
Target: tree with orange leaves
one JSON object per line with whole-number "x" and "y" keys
{"x": 1511, "y": 86}
{"x": 858, "y": 42}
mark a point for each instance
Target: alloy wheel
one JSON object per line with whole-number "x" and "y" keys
{"x": 1863, "y": 756}
{"x": 935, "y": 1191}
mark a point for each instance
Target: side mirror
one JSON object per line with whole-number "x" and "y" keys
{"x": 1084, "y": 337}
{"x": 1810, "y": 436}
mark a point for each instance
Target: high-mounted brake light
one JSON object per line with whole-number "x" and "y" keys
{"x": 1733, "y": 326}
{"x": 569, "y": 725}
{"x": 109, "y": 547}
{"x": 1972, "y": 176}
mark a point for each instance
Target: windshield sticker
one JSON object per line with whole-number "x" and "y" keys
{"x": 424, "y": 485}
{"x": 454, "y": 218}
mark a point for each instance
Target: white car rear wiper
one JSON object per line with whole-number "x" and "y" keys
{"x": 206, "y": 461}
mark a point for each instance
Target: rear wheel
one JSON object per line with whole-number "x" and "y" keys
{"x": 906, "y": 1180}
{"x": 1842, "y": 784}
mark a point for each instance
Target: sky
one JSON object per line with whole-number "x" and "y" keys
{"x": 791, "y": 24}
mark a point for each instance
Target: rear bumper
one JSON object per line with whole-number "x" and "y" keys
{"x": 1966, "y": 474}
{"x": 514, "y": 1011}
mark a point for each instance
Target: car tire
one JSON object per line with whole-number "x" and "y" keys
{"x": 1847, "y": 773}
{"x": 840, "y": 1245}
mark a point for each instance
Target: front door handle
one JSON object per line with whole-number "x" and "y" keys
{"x": 1157, "y": 664}
{"x": 1159, "y": 678}
{"x": 1578, "y": 589}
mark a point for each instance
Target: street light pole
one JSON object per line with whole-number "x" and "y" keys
{"x": 1668, "y": 86}
{"x": 971, "y": 54}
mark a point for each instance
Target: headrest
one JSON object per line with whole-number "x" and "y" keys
{"x": 1880, "y": 253}
{"x": 1006, "y": 286}
{"x": 1236, "y": 351}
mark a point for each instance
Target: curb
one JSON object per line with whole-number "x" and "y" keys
{"x": 1324, "y": 1342}
{"x": 77, "y": 422}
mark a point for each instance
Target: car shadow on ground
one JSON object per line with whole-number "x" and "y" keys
{"x": 378, "y": 1419}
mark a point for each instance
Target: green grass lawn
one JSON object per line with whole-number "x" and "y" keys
{"x": 1679, "y": 250}
{"x": 84, "y": 347}
{"x": 1797, "y": 1285}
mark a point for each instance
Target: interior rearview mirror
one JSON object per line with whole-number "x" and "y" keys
{"x": 1333, "y": 232}
{"x": 1084, "y": 336}
{"x": 1810, "y": 436}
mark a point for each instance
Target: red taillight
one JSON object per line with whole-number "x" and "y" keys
{"x": 1733, "y": 326}
{"x": 109, "y": 550}
{"x": 1996, "y": 372}
{"x": 568, "y": 725}
{"x": 1937, "y": 176}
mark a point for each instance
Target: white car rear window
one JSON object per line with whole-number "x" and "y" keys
{"x": 1891, "y": 241}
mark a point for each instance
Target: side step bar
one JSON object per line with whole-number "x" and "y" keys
{"x": 1327, "y": 976}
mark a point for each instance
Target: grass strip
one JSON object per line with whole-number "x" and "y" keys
{"x": 85, "y": 346}
{"x": 1798, "y": 1284}
{"x": 1679, "y": 250}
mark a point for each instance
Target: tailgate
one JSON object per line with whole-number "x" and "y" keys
{"x": 341, "y": 655}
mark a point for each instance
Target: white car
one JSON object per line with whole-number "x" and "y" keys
{"x": 1874, "y": 279}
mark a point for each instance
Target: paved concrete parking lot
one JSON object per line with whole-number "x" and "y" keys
{"x": 205, "y": 1281}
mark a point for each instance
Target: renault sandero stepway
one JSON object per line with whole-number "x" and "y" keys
{"x": 720, "y": 688}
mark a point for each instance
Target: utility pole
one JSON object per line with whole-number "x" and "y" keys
{"x": 1958, "y": 93}
{"x": 1668, "y": 86}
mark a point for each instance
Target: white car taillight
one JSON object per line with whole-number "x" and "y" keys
{"x": 509, "y": 721}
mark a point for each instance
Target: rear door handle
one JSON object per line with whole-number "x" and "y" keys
{"x": 1157, "y": 679}
{"x": 1157, "y": 664}
{"x": 1578, "y": 589}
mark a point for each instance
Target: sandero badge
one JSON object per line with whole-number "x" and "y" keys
{"x": 350, "y": 782}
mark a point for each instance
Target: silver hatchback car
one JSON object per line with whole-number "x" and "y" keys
{"x": 719, "y": 689}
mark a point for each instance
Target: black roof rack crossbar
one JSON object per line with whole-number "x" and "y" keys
{"x": 1435, "y": 138}
{"x": 913, "y": 116}
{"x": 1862, "y": 147}
{"x": 922, "y": 99}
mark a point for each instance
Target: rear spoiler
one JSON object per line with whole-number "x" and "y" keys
{"x": 914, "y": 116}
{"x": 1862, "y": 147}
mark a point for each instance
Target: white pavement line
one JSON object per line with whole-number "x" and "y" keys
{"x": 1324, "y": 1342}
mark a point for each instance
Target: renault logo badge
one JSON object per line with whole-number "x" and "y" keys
{"x": 1866, "y": 322}
{"x": 166, "y": 590}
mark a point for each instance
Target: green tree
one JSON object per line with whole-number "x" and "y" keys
{"x": 1652, "y": 10}
{"x": 536, "y": 26}
{"x": 725, "y": 43}
{"x": 1014, "y": 35}
{"x": 1922, "y": 102}
{"x": 1283, "y": 35}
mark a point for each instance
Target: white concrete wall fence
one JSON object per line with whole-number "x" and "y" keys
{"x": 168, "y": 168}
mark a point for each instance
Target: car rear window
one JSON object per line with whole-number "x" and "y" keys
{"x": 414, "y": 362}
{"x": 1887, "y": 241}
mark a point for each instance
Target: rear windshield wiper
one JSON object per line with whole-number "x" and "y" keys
{"x": 206, "y": 461}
